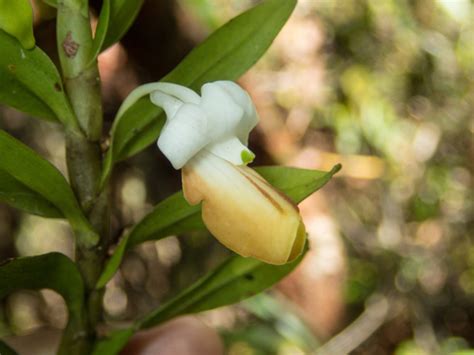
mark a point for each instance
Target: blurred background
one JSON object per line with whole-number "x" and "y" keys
{"x": 383, "y": 87}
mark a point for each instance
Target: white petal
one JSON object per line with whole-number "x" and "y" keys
{"x": 232, "y": 150}
{"x": 184, "y": 136}
{"x": 241, "y": 98}
{"x": 242, "y": 210}
{"x": 223, "y": 113}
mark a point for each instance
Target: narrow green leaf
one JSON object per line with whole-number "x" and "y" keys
{"x": 101, "y": 30}
{"x": 113, "y": 263}
{"x": 114, "y": 342}
{"x": 122, "y": 15}
{"x": 16, "y": 19}
{"x": 174, "y": 215}
{"x": 53, "y": 271}
{"x": 31, "y": 83}
{"x": 167, "y": 213}
{"x": 225, "y": 55}
{"x": 297, "y": 183}
{"x": 27, "y": 168}
{"x": 236, "y": 279}
{"x": 20, "y": 196}
{"x": 158, "y": 223}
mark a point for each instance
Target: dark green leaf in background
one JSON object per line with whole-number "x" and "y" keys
{"x": 22, "y": 167}
{"x": 101, "y": 29}
{"x": 53, "y": 271}
{"x": 31, "y": 83}
{"x": 122, "y": 15}
{"x": 20, "y": 196}
{"x": 225, "y": 55}
{"x": 174, "y": 215}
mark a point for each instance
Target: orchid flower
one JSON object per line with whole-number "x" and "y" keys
{"x": 206, "y": 136}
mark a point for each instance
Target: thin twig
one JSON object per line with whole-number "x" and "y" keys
{"x": 374, "y": 316}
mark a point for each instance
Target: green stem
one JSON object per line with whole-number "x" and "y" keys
{"x": 84, "y": 160}
{"x": 81, "y": 75}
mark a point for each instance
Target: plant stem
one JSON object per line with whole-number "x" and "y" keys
{"x": 84, "y": 159}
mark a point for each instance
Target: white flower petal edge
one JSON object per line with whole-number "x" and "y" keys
{"x": 242, "y": 210}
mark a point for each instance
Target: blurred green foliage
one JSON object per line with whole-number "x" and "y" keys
{"x": 399, "y": 76}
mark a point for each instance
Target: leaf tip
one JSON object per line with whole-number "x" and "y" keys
{"x": 336, "y": 168}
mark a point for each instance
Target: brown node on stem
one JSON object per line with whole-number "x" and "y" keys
{"x": 70, "y": 47}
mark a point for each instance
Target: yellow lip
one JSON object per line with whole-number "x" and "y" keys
{"x": 242, "y": 210}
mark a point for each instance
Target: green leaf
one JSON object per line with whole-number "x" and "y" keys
{"x": 164, "y": 220}
{"x": 20, "y": 196}
{"x": 116, "y": 16}
{"x": 166, "y": 214}
{"x": 225, "y": 55}
{"x": 53, "y": 271}
{"x": 236, "y": 279}
{"x": 297, "y": 183}
{"x": 114, "y": 342}
{"x": 122, "y": 15}
{"x": 42, "y": 179}
{"x": 31, "y": 83}
{"x": 101, "y": 30}
{"x": 174, "y": 215}
{"x": 16, "y": 19}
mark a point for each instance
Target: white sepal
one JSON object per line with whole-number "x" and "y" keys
{"x": 184, "y": 135}
{"x": 241, "y": 98}
{"x": 223, "y": 113}
{"x": 219, "y": 121}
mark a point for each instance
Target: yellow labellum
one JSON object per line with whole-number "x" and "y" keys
{"x": 242, "y": 210}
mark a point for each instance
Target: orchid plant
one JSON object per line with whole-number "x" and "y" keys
{"x": 252, "y": 212}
